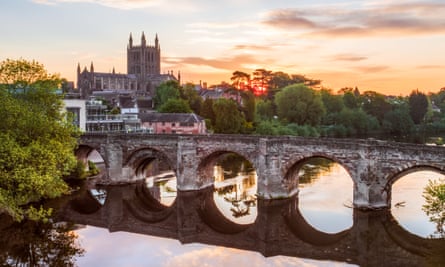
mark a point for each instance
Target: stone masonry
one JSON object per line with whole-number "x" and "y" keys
{"x": 373, "y": 165}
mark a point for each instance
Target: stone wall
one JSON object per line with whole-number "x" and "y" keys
{"x": 373, "y": 165}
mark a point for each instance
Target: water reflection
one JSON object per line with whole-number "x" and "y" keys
{"x": 434, "y": 194}
{"x": 235, "y": 188}
{"x": 163, "y": 187}
{"x": 326, "y": 192}
{"x": 30, "y": 243}
{"x": 374, "y": 239}
{"x": 407, "y": 202}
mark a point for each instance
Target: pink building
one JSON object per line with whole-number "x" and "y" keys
{"x": 173, "y": 123}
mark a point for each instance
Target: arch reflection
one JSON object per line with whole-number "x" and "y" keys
{"x": 235, "y": 188}
{"x": 326, "y": 193}
{"x": 407, "y": 201}
{"x": 374, "y": 239}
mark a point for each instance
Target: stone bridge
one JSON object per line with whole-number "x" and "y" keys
{"x": 373, "y": 165}
{"x": 374, "y": 239}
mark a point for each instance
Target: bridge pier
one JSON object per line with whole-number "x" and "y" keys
{"x": 370, "y": 190}
{"x": 373, "y": 165}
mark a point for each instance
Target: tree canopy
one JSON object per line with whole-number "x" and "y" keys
{"x": 418, "y": 106}
{"x": 165, "y": 91}
{"x": 299, "y": 104}
{"x": 228, "y": 119}
{"x": 36, "y": 139}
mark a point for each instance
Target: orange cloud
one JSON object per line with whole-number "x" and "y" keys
{"x": 368, "y": 21}
{"x": 226, "y": 63}
{"x": 347, "y": 57}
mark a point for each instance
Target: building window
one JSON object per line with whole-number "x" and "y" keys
{"x": 173, "y": 131}
{"x": 75, "y": 113}
{"x": 173, "y": 124}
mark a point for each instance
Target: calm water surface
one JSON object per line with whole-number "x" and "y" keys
{"x": 323, "y": 207}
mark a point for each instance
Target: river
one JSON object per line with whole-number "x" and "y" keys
{"x": 150, "y": 224}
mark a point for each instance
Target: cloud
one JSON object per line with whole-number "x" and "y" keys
{"x": 251, "y": 47}
{"x": 289, "y": 18}
{"x": 365, "y": 21}
{"x": 347, "y": 57}
{"x": 225, "y": 63}
{"x": 429, "y": 67}
{"x": 372, "y": 69}
{"x": 120, "y": 4}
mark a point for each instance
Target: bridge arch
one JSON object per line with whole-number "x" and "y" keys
{"x": 401, "y": 172}
{"x": 140, "y": 159}
{"x": 86, "y": 203}
{"x": 83, "y": 151}
{"x": 303, "y": 230}
{"x": 293, "y": 165}
{"x": 208, "y": 161}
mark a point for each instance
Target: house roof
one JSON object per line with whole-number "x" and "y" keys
{"x": 170, "y": 117}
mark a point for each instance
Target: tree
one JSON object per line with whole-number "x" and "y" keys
{"x": 418, "y": 106}
{"x": 228, "y": 119}
{"x": 240, "y": 80}
{"x": 357, "y": 122}
{"x": 248, "y": 105}
{"x": 376, "y": 105}
{"x": 332, "y": 103}
{"x": 434, "y": 194}
{"x": 36, "y": 243}
{"x": 398, "y": 122}
{"x": 175, "y": 106}
{"x": 279, "y": 80}
{"x": 207, "y": 110}
{"x": 299, "y": 104}
{"x": 189, "y": 94}
{"x": 165, "y": 91}
{"x": 36, "y": 139}
{"x": 350, "y": 97}
{"x": 264, "y": 109}
{"x": 260, "y": 81}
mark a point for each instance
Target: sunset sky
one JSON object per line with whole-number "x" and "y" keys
{"x": 379, "y": 45}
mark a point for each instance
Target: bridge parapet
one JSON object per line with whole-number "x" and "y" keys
{"x": 373, "y": 165}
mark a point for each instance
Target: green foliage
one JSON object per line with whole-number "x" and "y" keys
{"x": 275, "y": 128}
{"x": 248, "y": 106}
{"x": 228, "y": 119}
{"x": 208, "y": 113}
{"x": 37, "y": 243}
{"x": 418, "y": 106}
{"x": 303, "y": 130}
{"x": 165, "y": 91}
{"x": 332, "y": 103}
{"x": 264, "y": 109}
{"x": 191, "y": 96}
{"x": 351, "y": 98}
{"x": 299, "y": 104}
{"x": 398, "y": 122}
{"x": 266, "y": 128}
{"x": 375, "y": 104}
{"x": 175, "y": 106}
{"x": 36, "y": 140}
{"x": 434, "y": 194}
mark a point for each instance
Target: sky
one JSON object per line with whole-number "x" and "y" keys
{"x": 388, "y": 46}
{"x": 135, "y": 250}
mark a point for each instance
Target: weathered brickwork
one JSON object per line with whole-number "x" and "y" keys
{"x": 373, "y": 165}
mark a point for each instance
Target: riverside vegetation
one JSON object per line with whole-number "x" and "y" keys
{"x": 37, "y": 140}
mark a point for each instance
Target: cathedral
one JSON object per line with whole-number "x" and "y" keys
{"x": 142, "y": 77}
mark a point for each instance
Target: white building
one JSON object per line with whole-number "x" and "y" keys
{"x": 77, "y": 107}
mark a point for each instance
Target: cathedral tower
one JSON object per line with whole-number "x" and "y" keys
{"x": 143, "y": 60}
